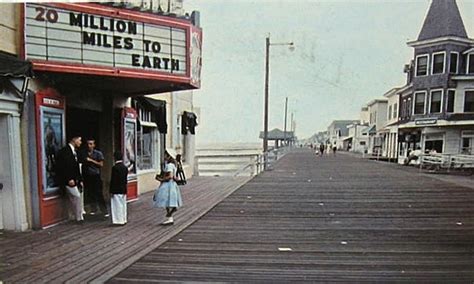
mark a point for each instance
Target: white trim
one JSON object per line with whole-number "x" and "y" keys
{"x": 463, "y": 77}
{"x": 431, "y": 97}
{"x": 457, "y": 40}
{"x": 447, "y": 98}
{"x": 433, "y": 62}
{"x": 470, "y": 50}
{"x": 468, "y": 59}
{"x": 414, "y": 103}
{"x": 457, "y": 62}
{"x": 427, "y": 64}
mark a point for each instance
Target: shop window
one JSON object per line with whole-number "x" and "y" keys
{"x": 422, "y": 65}
{"x": 145, "y": 148}
{"x": 435, "y": 101}
{"x": 436, "y": 145}
{"x": 438, "y": 63}
{"x": 469, "y": 101}
{"x": 470, "y": 63}
{"x": 450, "y": 101}
{"x": 453, "y": 63}
{"x": 146, "y": 133}
{"x": 419, "y": 103}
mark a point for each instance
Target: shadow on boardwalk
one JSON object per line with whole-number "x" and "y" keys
{"x": 97, "y": 250}
{"x": 324, "y": 219}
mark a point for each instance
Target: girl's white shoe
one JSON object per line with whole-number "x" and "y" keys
{"x": 168, "y": 221}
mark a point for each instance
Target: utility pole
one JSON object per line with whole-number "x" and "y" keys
{"x": 292, "y": 125}
{"x": 267, "y": 75}
{"x": 286, "y": 113}
{"x": 265, "y": 116}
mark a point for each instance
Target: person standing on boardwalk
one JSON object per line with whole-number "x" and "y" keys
{"x": 321, "y": 149}
{"x": 69, "y": 175}
{"x": 334, "y": 149}
{"x": 93, "y": 162}
{"x": 179, "y": 171}
{"x": 118, "y": 190}
{"x": 168, "y": 194}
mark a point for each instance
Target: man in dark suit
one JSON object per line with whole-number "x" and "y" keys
{"x": 69, "y": 175}
{"x": 118, "y": 190}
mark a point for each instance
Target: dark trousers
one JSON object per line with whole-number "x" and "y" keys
{"x": 181, "y": 176}
{"x": 93, "y": 192}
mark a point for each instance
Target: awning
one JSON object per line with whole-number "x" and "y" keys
{"x": 348, "y": 138}
{"x": 158, "y": 112}
{"x": 14, "y": 67}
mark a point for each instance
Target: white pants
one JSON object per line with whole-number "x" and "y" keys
{"x": 118, "y": 206}
{"x": 75, "y": 197}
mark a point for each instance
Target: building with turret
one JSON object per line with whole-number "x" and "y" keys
{"x": 437, "y": 104}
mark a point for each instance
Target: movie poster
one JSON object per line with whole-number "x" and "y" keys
{"x": 130, "y": 143}
{"x": 52, "y": 136}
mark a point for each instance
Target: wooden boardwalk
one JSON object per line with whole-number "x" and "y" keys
{"x": 96, "y": 250}
{"x": 325, "y": 219}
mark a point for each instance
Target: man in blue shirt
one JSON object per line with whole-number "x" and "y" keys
{"x": 91, "y": 172}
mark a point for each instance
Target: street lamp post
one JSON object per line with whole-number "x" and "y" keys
{"x": 267, "y": 75}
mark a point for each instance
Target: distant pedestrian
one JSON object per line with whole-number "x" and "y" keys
{"x": 168, "y": 194}
{"x": 91, "y": 170}
{"x": 69, "y": 176}
{"x": 334, "y": 149}
{"x": 321, "y": 149}
{"x": 118, "y": 190}
{"x": 181, "y": 177}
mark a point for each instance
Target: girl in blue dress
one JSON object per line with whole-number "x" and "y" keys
{"x": 168, "y": 194}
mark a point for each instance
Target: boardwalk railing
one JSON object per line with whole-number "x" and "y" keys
{"x": 447, "y": 162}
{"x": 244, "y": 162}
{"x": 267, "y": 160}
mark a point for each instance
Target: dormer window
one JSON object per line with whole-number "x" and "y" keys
{"x": 422, "y": 65}
{"x": 453, "y": 62}
{"x": 470, "y": 63}
{"x": 438, "y": 63}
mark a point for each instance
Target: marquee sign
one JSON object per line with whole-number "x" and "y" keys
{"x": 99, "y": 36}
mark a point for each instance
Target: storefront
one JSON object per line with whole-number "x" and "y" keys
{"x": 92, "y": 62}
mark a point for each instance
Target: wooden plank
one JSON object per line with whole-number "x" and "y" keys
{"x": 345, "y": 219}
{"x": 81, "y": 253}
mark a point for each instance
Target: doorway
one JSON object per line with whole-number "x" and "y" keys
{"x": 84, "y": 123}
{"x": 5, "y": 171}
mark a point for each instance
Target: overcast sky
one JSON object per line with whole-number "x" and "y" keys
{"x": 347, "y": 53}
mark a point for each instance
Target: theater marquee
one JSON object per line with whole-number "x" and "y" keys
{"x": 117, "y": 40}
